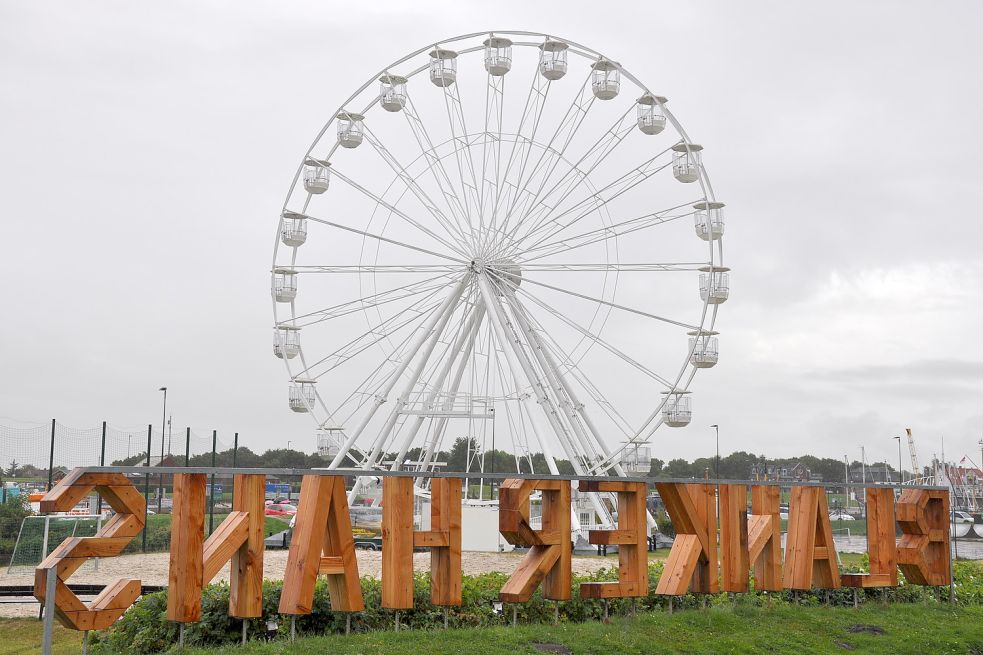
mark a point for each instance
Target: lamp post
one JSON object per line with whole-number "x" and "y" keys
{"x": 900, "y": 472}
{"x": 716, "y": 464}
{"x": 163, "y": 427}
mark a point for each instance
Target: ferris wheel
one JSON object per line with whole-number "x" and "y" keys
{"x": 506, "y": 237}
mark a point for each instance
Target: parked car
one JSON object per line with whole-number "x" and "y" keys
{"x": 961, "y": 517}
{"x": 840, "y": 516}
{"x": 281, "y": 510}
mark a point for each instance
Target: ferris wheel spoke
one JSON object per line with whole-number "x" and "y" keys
{"x": 617, "y": 229}
{"x": 370, "y": 337}
{"x": 599, "y": 301}
{"x": 379, "y": 237}
{"x": 596, "y": 338}
{"x": 462, "y": 152}
{"x": 576, "y": 174}
{"x": 453, "y": 229}
{"x": 565, "y": 132}
{"x": 595, "y": 201}
{"x": 438, "y": 170}
{"x": 453, "y": 247}
{"x": 379, "y": 268}
{"x": 614, "y": 267}
{"x": 370, "y": 302}
{"x": 532, "y": 113}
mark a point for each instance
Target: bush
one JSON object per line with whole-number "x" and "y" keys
{"x": 144, "y": 629}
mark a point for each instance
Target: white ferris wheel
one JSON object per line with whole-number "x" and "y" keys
{"x": 494, "y": 238}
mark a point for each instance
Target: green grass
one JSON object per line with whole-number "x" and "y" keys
{"x": 732, "y": 629}
{"x": 739, "y": 629}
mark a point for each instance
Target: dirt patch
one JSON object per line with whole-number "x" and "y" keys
{"x": 863, "y": 628}
{"x": 553, "y": 648}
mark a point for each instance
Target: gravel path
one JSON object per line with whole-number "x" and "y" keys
{"x": 152, "y": 570}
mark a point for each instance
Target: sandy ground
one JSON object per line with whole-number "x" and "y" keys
{"x": 152, "y": 570}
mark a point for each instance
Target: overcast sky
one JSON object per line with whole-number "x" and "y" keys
{"x": 147, "y": 148}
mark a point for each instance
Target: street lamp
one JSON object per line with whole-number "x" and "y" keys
{"x": 163, "y": 427}
{"x": 900, "y": 471}
{"x": 716, "y": 465}
{"x": 288, "y": 444}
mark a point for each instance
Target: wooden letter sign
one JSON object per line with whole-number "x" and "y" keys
{"x": 810, "y": 557}
{"x": 692, "y": 562}
{"x": 734, "y": 537}
{"x": 631, "y": 538}
{"x": 881, "y": 548}
{"x": 195, "y": 563}
{"x": 110, "y": 541}
{"x": 548, "y": 560}
{"x": 399, "y": 539}
{"x": 923, "y": 550}
{"x": 765, "y": 537}
{"x": 322, "y": 543}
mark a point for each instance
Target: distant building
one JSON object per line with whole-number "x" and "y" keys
{"x": 797, "y": 472}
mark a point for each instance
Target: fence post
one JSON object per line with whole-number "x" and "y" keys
{"x": 187, "y": 446}
{"x": 49, "y": 610}
{"x": 146, "y": 486}
{"x": 235, "y": 449}
{"x": 102, "y": 462}
{"x": 51, "y": 454}
{"x": 211, "y": 495}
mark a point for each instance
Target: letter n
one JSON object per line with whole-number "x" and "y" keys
{"x": 195, "y": 562}
{"x": 322, "y": 543}
{"x": 548, "y": 560}
{"x": 443, "y": 539}
{"x": 881, "y": 547}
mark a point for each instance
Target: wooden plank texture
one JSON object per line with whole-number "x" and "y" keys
{"x": 246, "y": 580}
{"x": 631, "y": 536}
{"x": 734, "y": 557}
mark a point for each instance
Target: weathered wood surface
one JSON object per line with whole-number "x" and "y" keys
{"x": 881, "y": 546}
{"x": 323, "y": 530}
{"x": 549, "y": 558}
{"x": 810, "y": 557}
{"x": 765, "y": 537}
{"x": 631, "y": 536}
{"x": 923, "y": 549}
{"x": 692, "y": 562}
{"x": 734, "y": 557}
{"x": 112, "y": 538}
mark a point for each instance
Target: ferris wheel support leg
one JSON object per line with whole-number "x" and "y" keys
{"x": 429, "y": 343}
{"x": 499, "y": 320}
{"x": 441, "y": 426}
{"x": 468, "y": 335}
{"x": 560, "y": 387}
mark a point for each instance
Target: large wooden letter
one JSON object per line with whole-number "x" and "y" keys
{"x": 322, "y": 543}
{"x": 923, "y": 550}
{"x": 810, "y": 557}
{"x": 881, "y": 548}
{"x": 692, "y": 562}
{"x": 765, "y": 537}
{"x": 195, "y": 563}
{"x": 631, "y": 538}
{"x": 548, "y": 560}
{"x": 399, "y": 539}
{"x": 734, "y": 537}
{"x": 110, "y": 541}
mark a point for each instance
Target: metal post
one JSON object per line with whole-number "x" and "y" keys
{"x": 235, "y": 449}
{"x": 348, "y": 622}
{"x": 670, "y": 608}
{"x": 397, "y": 620}
{"x": 51, "y": 454}
{"x": 244, "y": 632}
{"x": 85, "y": 643}
{"x": 102, "y": 462}
{"x": 146, "y": 486}
{"x": 556, "y": 612}
{"x": 293, "y": 627}
{"x": 44, "y": 539}
{"x": 163, "y": 428}
{"x": 515, "y": 615}
{"x": 446, "y": 613}
{"x": 180, "y": 635}
{"x": 187, "y": 447}
{"x": 49, "y": 610}
{"x": 211, "y": 502}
